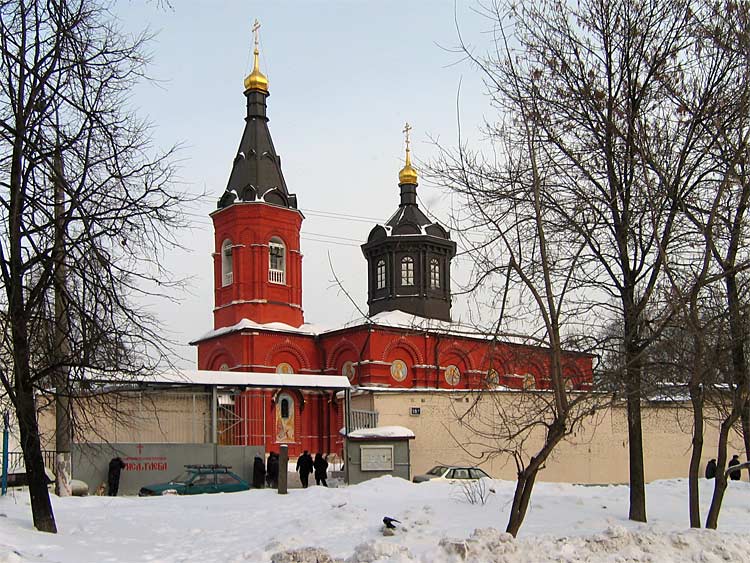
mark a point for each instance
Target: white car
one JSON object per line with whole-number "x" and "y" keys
{"x": 452, "y": 473}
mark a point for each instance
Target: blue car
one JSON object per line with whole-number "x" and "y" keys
{"x": 199, "y": 479}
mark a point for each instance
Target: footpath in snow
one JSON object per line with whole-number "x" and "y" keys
{"x": 565, "y": 523}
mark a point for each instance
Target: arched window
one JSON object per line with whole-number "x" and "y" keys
{"x": 434, "y": 273}
{"x": 227, "y": 275}
{"x": 285, "y": 419}
{"x": 276, "y": 261}
{"x": 380, "y": 274}
{"x": 407, "y": 270}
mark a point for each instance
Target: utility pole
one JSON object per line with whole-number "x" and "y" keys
{"x": 63, "y": 433}
{"x": 6, "y": 431}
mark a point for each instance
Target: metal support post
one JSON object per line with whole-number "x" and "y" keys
{"x": 6, "y": 431}
{"x": 214, "y": 423}
{"x": 347, "y": 429}
{"x": 283, "y": 468}
{"x": 214, "y": 415}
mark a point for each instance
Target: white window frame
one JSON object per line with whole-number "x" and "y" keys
{"x": 275, "y": 274}
{"x": 407, "y": 271}
{"x": 380, "y": 274}
{"x": 434, "y": 273}
{"x": 227, "y": 263}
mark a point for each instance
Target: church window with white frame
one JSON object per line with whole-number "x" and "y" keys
{"x": 380, "y": 274}
{"x": 407, "y": 270}
{"x": 434, "y": 273}
{"x": 276, "y": 261}
{"x": 227, "y": 271}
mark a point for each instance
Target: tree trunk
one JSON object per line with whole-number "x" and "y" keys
{"x": 63, "y": 431}
{"x": 746, "y": 429}
{"x": 633, "y": 391}
{"x": 41, "y": 507}
{"x": 527, "y": 477}
{"x": 635, "y": 452}
{"x": 739, "y": 401}
{"x": 696, "y": 400}
{"x": 720, "y": 483}
{"x": 521, "y": 497}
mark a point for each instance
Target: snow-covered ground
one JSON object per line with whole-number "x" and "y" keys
{"x": 565, "y": 523}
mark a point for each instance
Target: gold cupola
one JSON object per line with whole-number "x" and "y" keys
{"x": 407, "y": 175}
{"x": 256, "y": 80}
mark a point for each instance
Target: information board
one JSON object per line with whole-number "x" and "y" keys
{"x": 376, "y": 458}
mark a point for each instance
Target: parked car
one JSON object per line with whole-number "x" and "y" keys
{"x": 453, "y": 473}
{"x": 199, "y": 479}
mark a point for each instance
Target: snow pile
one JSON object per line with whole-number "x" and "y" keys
{"x": 569, "y": 523}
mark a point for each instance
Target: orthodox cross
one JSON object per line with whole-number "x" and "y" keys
{"x": 256, "y": 32}
{"x": 407, "y": 128}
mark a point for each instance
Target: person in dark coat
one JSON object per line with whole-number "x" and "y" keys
{"x": 272, "y": 470}
{"x": 711, "y": 469}
{"x": 734, "y": 475}
{"x": 259, "y": 473}
{"x": 116, "y": 465}
{"x": 321, "y": 469}
{"x": 305, "y": 467}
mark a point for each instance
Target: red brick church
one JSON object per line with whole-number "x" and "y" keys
{"x": 407, "y": 340}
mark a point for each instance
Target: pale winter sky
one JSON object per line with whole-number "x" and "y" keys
{"x": 344, "y": 77}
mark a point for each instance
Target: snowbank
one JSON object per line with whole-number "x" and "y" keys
{"x": 565, "y": 523}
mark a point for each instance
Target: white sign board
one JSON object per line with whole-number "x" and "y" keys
{"x": 376, "y": 458}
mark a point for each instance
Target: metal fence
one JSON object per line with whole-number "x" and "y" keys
{"x": 364, "y": 419}
{"x": 17, "y": 465}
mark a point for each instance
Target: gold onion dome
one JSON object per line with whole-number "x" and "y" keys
{"x": 407, "y": 175}
{"x": 256, "y": 80}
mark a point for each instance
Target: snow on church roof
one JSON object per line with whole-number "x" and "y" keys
{"x": 247, "y": 324}
{"x": 394, "y": 319}
{"x": 234, "y": 378}
{"x": 381, "y": 432}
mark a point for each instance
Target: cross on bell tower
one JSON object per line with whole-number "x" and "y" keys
{"x": 257, "y": 261}
{"x": 409, "y": 258}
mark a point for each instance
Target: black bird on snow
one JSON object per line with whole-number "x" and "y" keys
{"x": 388, "y": 521}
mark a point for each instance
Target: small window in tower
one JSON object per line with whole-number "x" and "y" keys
{"x": 434, "y": 273}
{"x": 276, "y": 261}
{"x": 381, "y": 274}
{"x": 407, "y": 270}
{"x": 227, "y": 272}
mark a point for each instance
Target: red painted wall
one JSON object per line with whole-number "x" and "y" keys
{"x": 250, "y": 227}
{"x": 318, "y": 415}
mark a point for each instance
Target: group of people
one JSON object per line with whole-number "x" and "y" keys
{"x": 306, "y": 465}
{"x": 268, "y": 474}
{"x": 733, "y": 475}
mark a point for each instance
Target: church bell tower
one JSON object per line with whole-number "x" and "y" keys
{"x": 257, "y": 259}
{"x": 409, "y": 258}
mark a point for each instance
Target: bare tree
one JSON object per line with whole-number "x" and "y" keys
{"x": 598, "y": 78}
{"x": 83, "y": 193}
{"x": 525, "y": 255}
{"x": 717, "y": 209}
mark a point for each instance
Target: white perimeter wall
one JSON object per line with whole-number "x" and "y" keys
{"x": 596, "y": 454}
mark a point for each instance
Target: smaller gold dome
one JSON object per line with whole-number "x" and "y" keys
{"x": 256, "y": 80}
{"x": 407, "y": 175}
